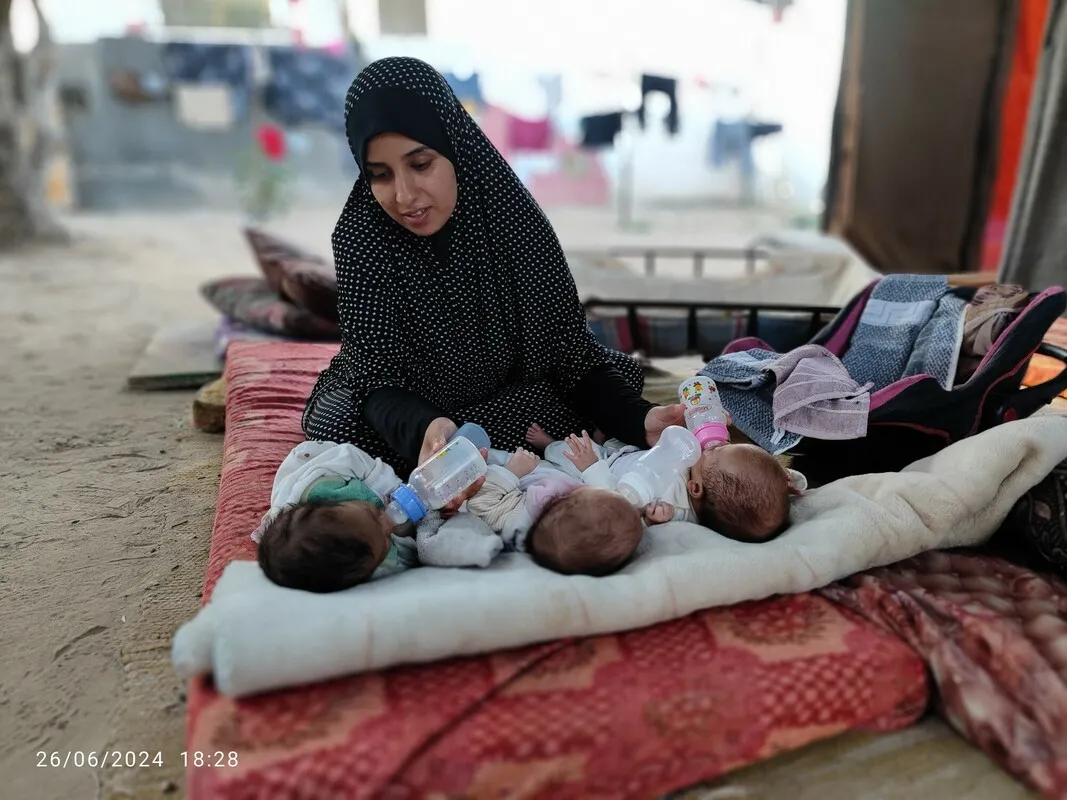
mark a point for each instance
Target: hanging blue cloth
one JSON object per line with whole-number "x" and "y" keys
{"x": 468, "y": 90}
{"x": 228, "y": 64}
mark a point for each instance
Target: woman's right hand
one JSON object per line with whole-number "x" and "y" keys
{"x": 437, "y": 435}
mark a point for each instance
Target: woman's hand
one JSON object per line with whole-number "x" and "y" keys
{"x": 452, "y": 508}
{"x": 660, "y": 417}
{"x": 437, "y": 435}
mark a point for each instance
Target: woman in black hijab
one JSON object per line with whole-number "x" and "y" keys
{"x": 456, "y": 302}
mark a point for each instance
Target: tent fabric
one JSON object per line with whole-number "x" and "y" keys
{"x": 914, "y": 151}
{"x": 1035, "y": 249}
{"x": 1025, "y": 60}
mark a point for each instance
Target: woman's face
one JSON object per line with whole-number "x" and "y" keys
{"x": 415, "y": 184}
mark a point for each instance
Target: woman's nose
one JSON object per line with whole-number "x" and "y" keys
{"x": 405, "y": 190}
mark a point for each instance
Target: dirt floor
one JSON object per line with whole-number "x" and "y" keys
{"x": 110, "y": 496}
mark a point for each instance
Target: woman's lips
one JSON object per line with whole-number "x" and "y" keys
{"x": 417, "y": 218}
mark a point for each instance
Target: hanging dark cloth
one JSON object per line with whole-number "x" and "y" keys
{"x": 307, "y": 86}
{"x": 669, "y": 86}
{"x": 480, "y": 322}
{"x": 599, "y": 131}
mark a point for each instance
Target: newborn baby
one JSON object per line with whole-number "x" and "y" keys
{"x": 743, "y": 492}
{"x": 602, "y": 465}
{"x": 327, "y": 529}
{"x": 564, "y": 525}
{"x": 327, "y": 547}
{"x": 738, "y": 490}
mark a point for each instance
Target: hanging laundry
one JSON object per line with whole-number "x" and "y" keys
{"x": 529, "y": 135}
{"x": 600, "y": 130}
{"x": 669, "y": 87}
{"x": 468, "y": 90}
{"x": 226, "y": 64}
{"x": 761, "y": 129}
{"x": 307, "y": 86}
{"x": 553, "y": 86}
{"x": 732, "y": 142}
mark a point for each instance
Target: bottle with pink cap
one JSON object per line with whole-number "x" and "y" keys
{"x": 704, "y": 415}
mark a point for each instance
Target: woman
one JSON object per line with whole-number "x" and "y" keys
{"x": 455, "y": 300}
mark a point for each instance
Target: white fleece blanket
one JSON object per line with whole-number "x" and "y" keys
{"x": 255, "y": 636}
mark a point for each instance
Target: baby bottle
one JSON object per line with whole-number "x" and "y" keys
{"x": 442, "y": 478}
{"x": 653, "y": 472}
{"x": 704, "y": 414}
{"x": 474, "y": 433}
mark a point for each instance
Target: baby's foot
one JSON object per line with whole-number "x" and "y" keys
{"x": 537, "y": 437}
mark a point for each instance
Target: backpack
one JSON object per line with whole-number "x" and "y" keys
{"x": 915, "y": 417}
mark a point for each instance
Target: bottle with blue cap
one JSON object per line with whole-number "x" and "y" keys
{"x": 442, "y": 478}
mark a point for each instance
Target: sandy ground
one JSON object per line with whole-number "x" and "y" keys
{"x": 109, "y": 497}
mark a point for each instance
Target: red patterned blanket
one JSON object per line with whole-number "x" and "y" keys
{"x": 633, "y": 715}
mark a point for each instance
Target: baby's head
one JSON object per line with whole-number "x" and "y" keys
{"x": 741, "y": 491}
{"x": 325, "y": 547}
{"x": 587, "y": 531}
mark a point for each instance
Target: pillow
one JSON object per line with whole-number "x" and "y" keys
{"x": 271, "y": 253}
{"x": 252, "y": 302}
{"x": 311, "y": 286}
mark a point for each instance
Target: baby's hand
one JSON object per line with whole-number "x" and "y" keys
{"x": 659, "y": 512}
{"x": 581, "y": 452}
{"x": 522, "y": 463}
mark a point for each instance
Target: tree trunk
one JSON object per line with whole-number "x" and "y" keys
{"x": 28, "y": 134}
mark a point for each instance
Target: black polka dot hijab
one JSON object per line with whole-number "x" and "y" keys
{"x": 498, "y": 307}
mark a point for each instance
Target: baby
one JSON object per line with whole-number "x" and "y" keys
{"x": 327, "y": 547}
{"x": 743, "y": 492}
{"x": 327, "y": 529}
{"x": 738, "y": 490}
{"x": 564, "y": 525}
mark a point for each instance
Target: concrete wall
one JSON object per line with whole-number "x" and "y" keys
{"x": 143, "y": 156}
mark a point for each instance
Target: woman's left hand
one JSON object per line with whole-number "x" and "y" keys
{"x": 437, "y": 435}
{"x": 452, "y": 508}
{"x": 660, "y": 417}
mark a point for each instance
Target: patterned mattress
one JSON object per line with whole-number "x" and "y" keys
{"x": 633, "y": 715}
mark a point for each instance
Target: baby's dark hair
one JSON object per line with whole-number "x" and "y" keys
{"x": 750, "y": 504}
{"x": 585, "y": 533}
{"x": 310, "y": 547}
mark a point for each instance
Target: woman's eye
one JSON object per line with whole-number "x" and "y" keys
{"x": 422, "y": 166}
{"x": 377, "y": 176}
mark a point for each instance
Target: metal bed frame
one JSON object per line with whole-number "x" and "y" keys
{"x": 819, "y": 315}
{"x": 651, "y": 254}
